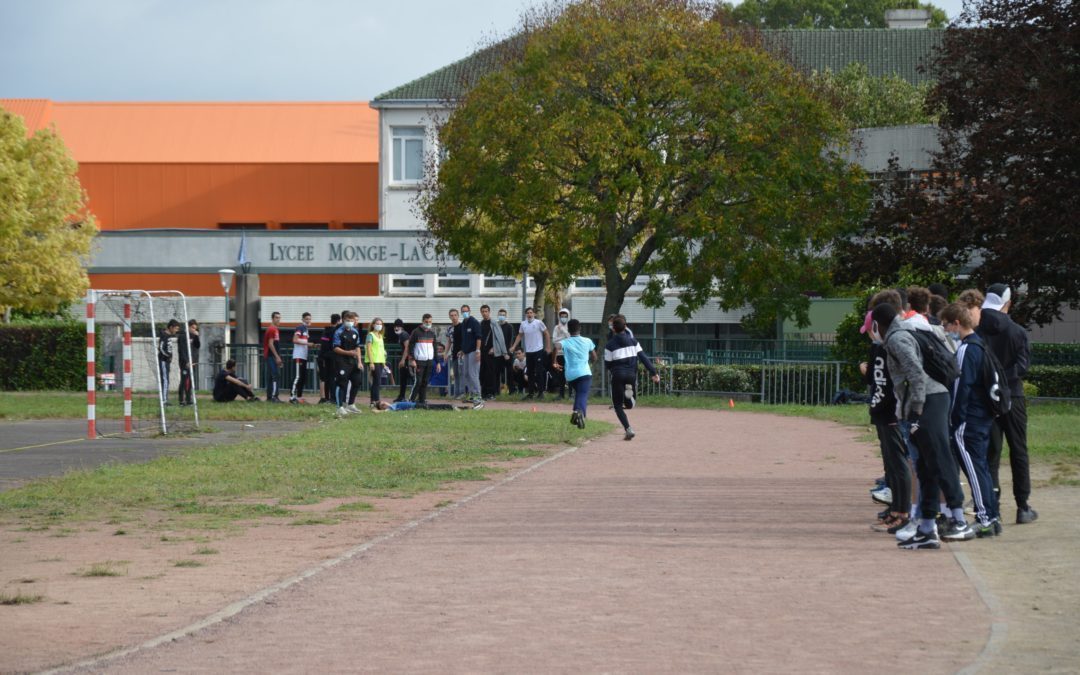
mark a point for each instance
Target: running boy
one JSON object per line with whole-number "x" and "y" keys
{"x": 621, "y": 356}
{"x": 578, "y": 353}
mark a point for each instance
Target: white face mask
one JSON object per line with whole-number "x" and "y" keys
{"x": 464, "y": 315}
{"x": 564, "y": 319}
{"x": 350, "y": 324}
{"x": 528, "y": 319}
{"x": 378, "y": 327}
{"x": 955, "y": 335}
{"x": 398, "y": 330}
{"x": 427, "y": 326}
{"x": 502, "y": 318}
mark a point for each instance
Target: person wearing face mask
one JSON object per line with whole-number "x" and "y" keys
{"x": 375, "y": 352}
{"x": 506, "y": 361}
{"x": 471, "y": 354}
{"x": 402, "y": 338}
{"x": 325, "y": 360}
{"x": 300, "y": 357}
{"x": 534, "y": 336}
{"x": 558, "y": 360}
{"x": 347, "y": 359}
{"x": 421, "y": 357}
{"x": 883, "y": 416}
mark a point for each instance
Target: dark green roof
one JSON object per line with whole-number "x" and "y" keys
{"x": 884, "y": 51}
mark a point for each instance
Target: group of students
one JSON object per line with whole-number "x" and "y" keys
{"x": 528, "y": 359}
{"x": 946, "y": 383}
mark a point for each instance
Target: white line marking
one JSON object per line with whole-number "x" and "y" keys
{"x": 999, "y": 624}
{"x": 257, "y": 597}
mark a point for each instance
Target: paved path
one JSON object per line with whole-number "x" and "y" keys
{"x": 713, "y": 542}
{"x": 38, "y": 448}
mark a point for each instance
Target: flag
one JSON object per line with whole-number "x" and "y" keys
{"x": 241, "y": 256}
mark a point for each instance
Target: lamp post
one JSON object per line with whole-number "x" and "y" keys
{"x": 226, "y": 275}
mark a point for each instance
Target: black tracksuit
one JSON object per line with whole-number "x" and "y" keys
{"x": 883, "y": 415}
{"x": 621, "y": 356}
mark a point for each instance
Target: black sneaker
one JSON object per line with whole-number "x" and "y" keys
{"x": 921, "y": 540}
{"x": 628, "y": 397}
{"x": 957, "y": 531}
{"x": 984, "y": 530}
{"x": 629, "y": 436}
{"x": 575, "y": 418}
{"x": 1025, "y": 516}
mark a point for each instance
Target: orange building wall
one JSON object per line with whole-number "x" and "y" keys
{"x": 314, "y": 285}
{"x": 134, "y": 196}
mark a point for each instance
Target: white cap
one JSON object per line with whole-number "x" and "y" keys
{"x": 997, "y": 296}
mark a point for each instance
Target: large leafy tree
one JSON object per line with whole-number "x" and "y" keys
{"x": 866, "y": 101}
{"x": 1001, "y": 200}
{"x": 45, "y": 232}
{"x": 640, "y": 137}
{"x": 823, "y": 13}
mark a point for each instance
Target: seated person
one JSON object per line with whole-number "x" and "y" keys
{"x": 519, "y": 369}
{"x": 227, "y": 386}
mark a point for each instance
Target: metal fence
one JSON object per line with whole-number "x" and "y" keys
{"x": 799, "y": 382}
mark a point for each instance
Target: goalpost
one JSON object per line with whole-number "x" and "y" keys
{"x": 117, "y": 311}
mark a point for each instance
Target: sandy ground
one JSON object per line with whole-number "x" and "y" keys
{"x": 715, "y": 541}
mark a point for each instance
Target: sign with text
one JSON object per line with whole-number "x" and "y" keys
{"x": 279, "y": 252}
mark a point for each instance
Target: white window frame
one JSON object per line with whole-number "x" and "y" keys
{"x": 400, "y": 137}
{"x": 393, "y": 289}
{"x": 442, "y": 289}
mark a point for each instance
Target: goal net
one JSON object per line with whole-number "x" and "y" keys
{"x": 139, "y": 381}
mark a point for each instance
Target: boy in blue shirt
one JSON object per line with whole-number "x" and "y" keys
{"x": 578, "y": 353}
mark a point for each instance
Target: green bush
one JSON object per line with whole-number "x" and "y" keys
{"x": 43, "y": 355}
{"x": 1052, "y": 354}
{"x": 691, "y": 377}
{"x": 1056, "y": 381}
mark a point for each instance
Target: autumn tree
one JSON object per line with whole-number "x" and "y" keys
{"x": 823, "y": 14}
{"x": 45, "y": 232}
{"x": 640, "y": 137}
{"x": 1001, "y": 198}
{"x": 866, "y": 101}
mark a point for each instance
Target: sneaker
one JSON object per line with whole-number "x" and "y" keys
{"x": 920, "y": 540}
{"x": 294, "y": 401}
{"x": 629, "y": 434}
{"x": 890, "y": 524}
{"x": 352, "y": 408}
{"x": 628, "y": 397}
{"x": 999, "y": 529}
{"x": 1025, "y": 516}
{"x": 957, "y": 531}
{"x": 253, "y": 399}
{"x": 984, "y": 530}
{"x": 575, "y": 418}
{"x": 907, "y": 531}
{"x": 883, "y": 515}
{"x": 342, "y": 412}
{"x": 581, "y": 421}
{"x": 478, "y": 404}
{"x": 323, "y": 400}
{"x": 901, "y": 524}
{"x": 882, "y": 496}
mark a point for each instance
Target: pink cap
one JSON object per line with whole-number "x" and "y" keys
{"x": 866, "y": 324}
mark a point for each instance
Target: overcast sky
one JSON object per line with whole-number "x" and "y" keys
{"x": 239, "y": 50}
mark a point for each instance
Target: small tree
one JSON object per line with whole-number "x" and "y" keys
{"x": 642, "y": 137}
{"x": 45, "y": 231}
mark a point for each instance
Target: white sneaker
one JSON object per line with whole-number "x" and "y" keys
{"x": 628, "y": 397}
{"x": 342, "y": 412}
{"x": 882, "y": 496}
{"x": 352, "y": 408}
{"x": 907, "y": 531}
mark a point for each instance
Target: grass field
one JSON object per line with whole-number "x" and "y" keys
{"x": 394, "y": 454}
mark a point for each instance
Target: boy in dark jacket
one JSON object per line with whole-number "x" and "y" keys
{"x": 621, "y": 356}
{"x": 970, "y": 419}
{"x": 1010, "y": 345}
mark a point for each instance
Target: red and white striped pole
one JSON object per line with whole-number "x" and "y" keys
{"x": 91, "y": 386}
{"x": 127, "y": 364}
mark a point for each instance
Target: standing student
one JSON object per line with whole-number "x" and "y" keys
{"x": 578, "y": 353}
{"x": 300, "y": 357}
{"x": 506, "y": 362}
{"x": 347, "y": 360}
{"x": 534, "y": 337}
{"x": 272, "y": 356}
{"x": 325, "y": 360}
{"x": 490, "y": 365}
{"x": 559, "y": 333}
{"x": 402, "y": 338}
{"x": 452, "y": 340}
{"x": 375, "y": 353}
{"x": 970, "y": 418}
{"x": 1010, "y": 344}
{"x": 421, "y": 355}
{"x": 621, "y": 356}
{"x": 164, "y": 357}
{"x": 471, "y": 354}
{"x": 924, "y": 403}
{"x": 188, "y": 360}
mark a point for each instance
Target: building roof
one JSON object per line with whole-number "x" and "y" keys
{"x": 301, "y": 133}
{"x": 884, "y": 51}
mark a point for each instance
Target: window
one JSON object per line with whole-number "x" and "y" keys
{"x": 305, "y": 226}
{"x": 589, "y": 282}
{"x": 500, "y": 283}
{"x": 407, "y": 282}
{"x": 447, "y": 282}
{"x": 360, "y": 226}
{"x": 408, "y": 154}
{"x": 241, "y": 226}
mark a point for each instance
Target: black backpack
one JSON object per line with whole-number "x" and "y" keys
{"x": 995, "y": 384}
{"x": 937, "y": 361}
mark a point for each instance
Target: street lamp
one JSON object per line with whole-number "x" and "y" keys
{"x": 226, "y": 275}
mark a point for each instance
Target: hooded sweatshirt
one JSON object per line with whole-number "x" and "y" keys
{"x": 1010, "y": 344}
{"x": 910, "y": 382}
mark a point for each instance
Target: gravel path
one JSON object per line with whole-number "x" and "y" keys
{"x": 713, "y": 542}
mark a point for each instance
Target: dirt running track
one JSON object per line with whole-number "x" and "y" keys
{"x": 713, "y": 542}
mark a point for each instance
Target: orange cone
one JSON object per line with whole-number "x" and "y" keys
{"x": 534, "y": 408}
{"x": 731, "y": 403}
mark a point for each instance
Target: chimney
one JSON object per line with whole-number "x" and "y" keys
{"x": 907, "y": 18}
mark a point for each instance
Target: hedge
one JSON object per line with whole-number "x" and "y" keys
{"x": 1054, "y": 354}
{"x": 1056, "y": 381}
{"x": 691, "y": 377}
{"x": 43, "y": 356}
